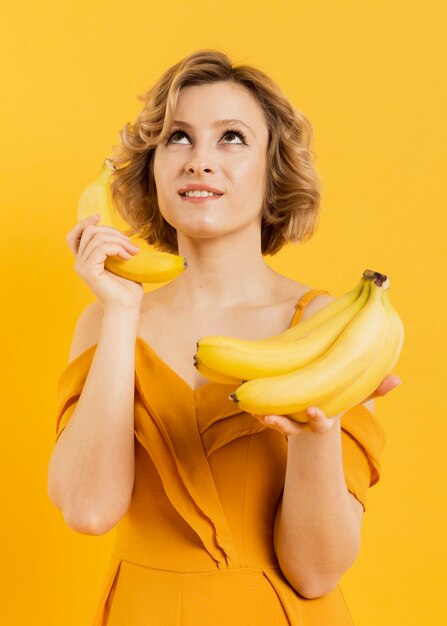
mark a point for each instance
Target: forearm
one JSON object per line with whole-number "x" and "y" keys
{"x": 318, "y": 534}
{"x": 91, "y": 469}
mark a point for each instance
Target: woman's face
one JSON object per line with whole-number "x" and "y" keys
{"x": 204, "y": 149}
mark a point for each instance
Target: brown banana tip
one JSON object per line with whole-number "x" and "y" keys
{"x": 185, "y": 263}
{"x": 368, "y": 274}
{"x": 233, "y": 397}
{"x": 377, "y": 277}
{"x": 109, "y": 163}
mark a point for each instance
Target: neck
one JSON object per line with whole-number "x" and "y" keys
{"x": 228, "y": 270}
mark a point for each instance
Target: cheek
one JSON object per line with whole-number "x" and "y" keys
{"x": 158, "y": 162}
{"x": 250, "y": 189}
{"x": 250, "y": 175}
{"x": 161, "y": 180}
{"x": 160, "y": 168}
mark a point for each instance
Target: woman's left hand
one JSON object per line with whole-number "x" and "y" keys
{"x": 318, "y": 422}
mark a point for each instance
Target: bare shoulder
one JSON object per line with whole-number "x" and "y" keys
{"x": 317, "y": 303}
{"x": 87, "y": 329}
{"x": 297, "y": 290}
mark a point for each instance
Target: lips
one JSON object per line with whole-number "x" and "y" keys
{"x": 199, "y": 187}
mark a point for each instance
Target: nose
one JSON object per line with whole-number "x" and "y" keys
{"x": 199, "y": 162}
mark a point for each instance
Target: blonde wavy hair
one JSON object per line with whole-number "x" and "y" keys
{"x": 291, "y": 203}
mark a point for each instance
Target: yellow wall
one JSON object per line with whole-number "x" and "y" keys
{"x": 371, "y": 78}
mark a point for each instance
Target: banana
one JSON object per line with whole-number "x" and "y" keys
{"x": 146, "y": 266}
{"x": 350, "y": 355}
{"x": 256, "y": 359}
{"x": 215, "y": 376}
{"x": 371, "y": 378}
{"x": 295, "y": 332}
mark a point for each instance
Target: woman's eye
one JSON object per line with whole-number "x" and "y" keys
{"x": 235, "y": 133}
{"x": 178, "y": 132}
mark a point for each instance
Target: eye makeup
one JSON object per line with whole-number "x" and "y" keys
{"x": 231, "y": 131}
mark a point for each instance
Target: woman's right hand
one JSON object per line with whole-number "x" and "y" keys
{"x": 91, "y": 245}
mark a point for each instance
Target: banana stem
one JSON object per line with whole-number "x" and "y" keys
{"x": 377, "y": 277}
{"x": 109, "y": 163}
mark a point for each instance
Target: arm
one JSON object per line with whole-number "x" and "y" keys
{"x": 318, "y": 523}
{"x": 91, "y": 469}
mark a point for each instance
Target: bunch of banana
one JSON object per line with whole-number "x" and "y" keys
{"x": 297, "y": 346}
{"x": 334, "y": 359}
{"x": 147, "y": 265}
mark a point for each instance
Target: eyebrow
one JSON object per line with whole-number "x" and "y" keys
{"x": 216, "y": 124}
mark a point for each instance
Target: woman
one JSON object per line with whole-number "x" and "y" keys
{"x": 222, "y": 517}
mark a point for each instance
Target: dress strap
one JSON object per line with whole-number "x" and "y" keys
{"x": 303, "y": 302}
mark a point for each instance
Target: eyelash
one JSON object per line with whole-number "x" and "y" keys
{"x": 238, "y": 133}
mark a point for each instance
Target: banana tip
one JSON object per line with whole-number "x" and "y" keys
{"x": 185, "y": 263}
{"x": 233, "y": 397}
{"x": 377, "y": 277}
{"x": 109, "y": 164}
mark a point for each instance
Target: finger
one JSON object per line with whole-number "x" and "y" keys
{"x": 284, "y": 425}
{"x": 388, "y": 383}
{"x": 91, "y": 230}
{"x": 82, "y": 232}
{"x": 318, "y": 422}
{"x": 74, "y": 236}
{"x": 99, "y": 253}
{"x": 100, "y": 239}
{"x": 94, "y": 266}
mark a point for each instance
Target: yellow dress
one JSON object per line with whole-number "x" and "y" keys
{"x": 196, "y": 547}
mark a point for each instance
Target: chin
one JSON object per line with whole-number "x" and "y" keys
{"x": 202, "y": 233}
{"x": 206, "y": 224}
{"x": 197, "y": 226}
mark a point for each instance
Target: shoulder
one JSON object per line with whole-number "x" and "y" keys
{"x": 317, "y": 303}
{"x": 301, "y": 295}
{"x": 87, "y": 329}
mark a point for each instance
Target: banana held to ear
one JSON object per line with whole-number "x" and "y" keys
{"x": 146, "y": 266}
{"x": 256, "y": 359}
{"x": 336, "y": 369}
{"x": 371, "y": 378}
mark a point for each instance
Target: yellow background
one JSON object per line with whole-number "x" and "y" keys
{"x": 371, "y": 78}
